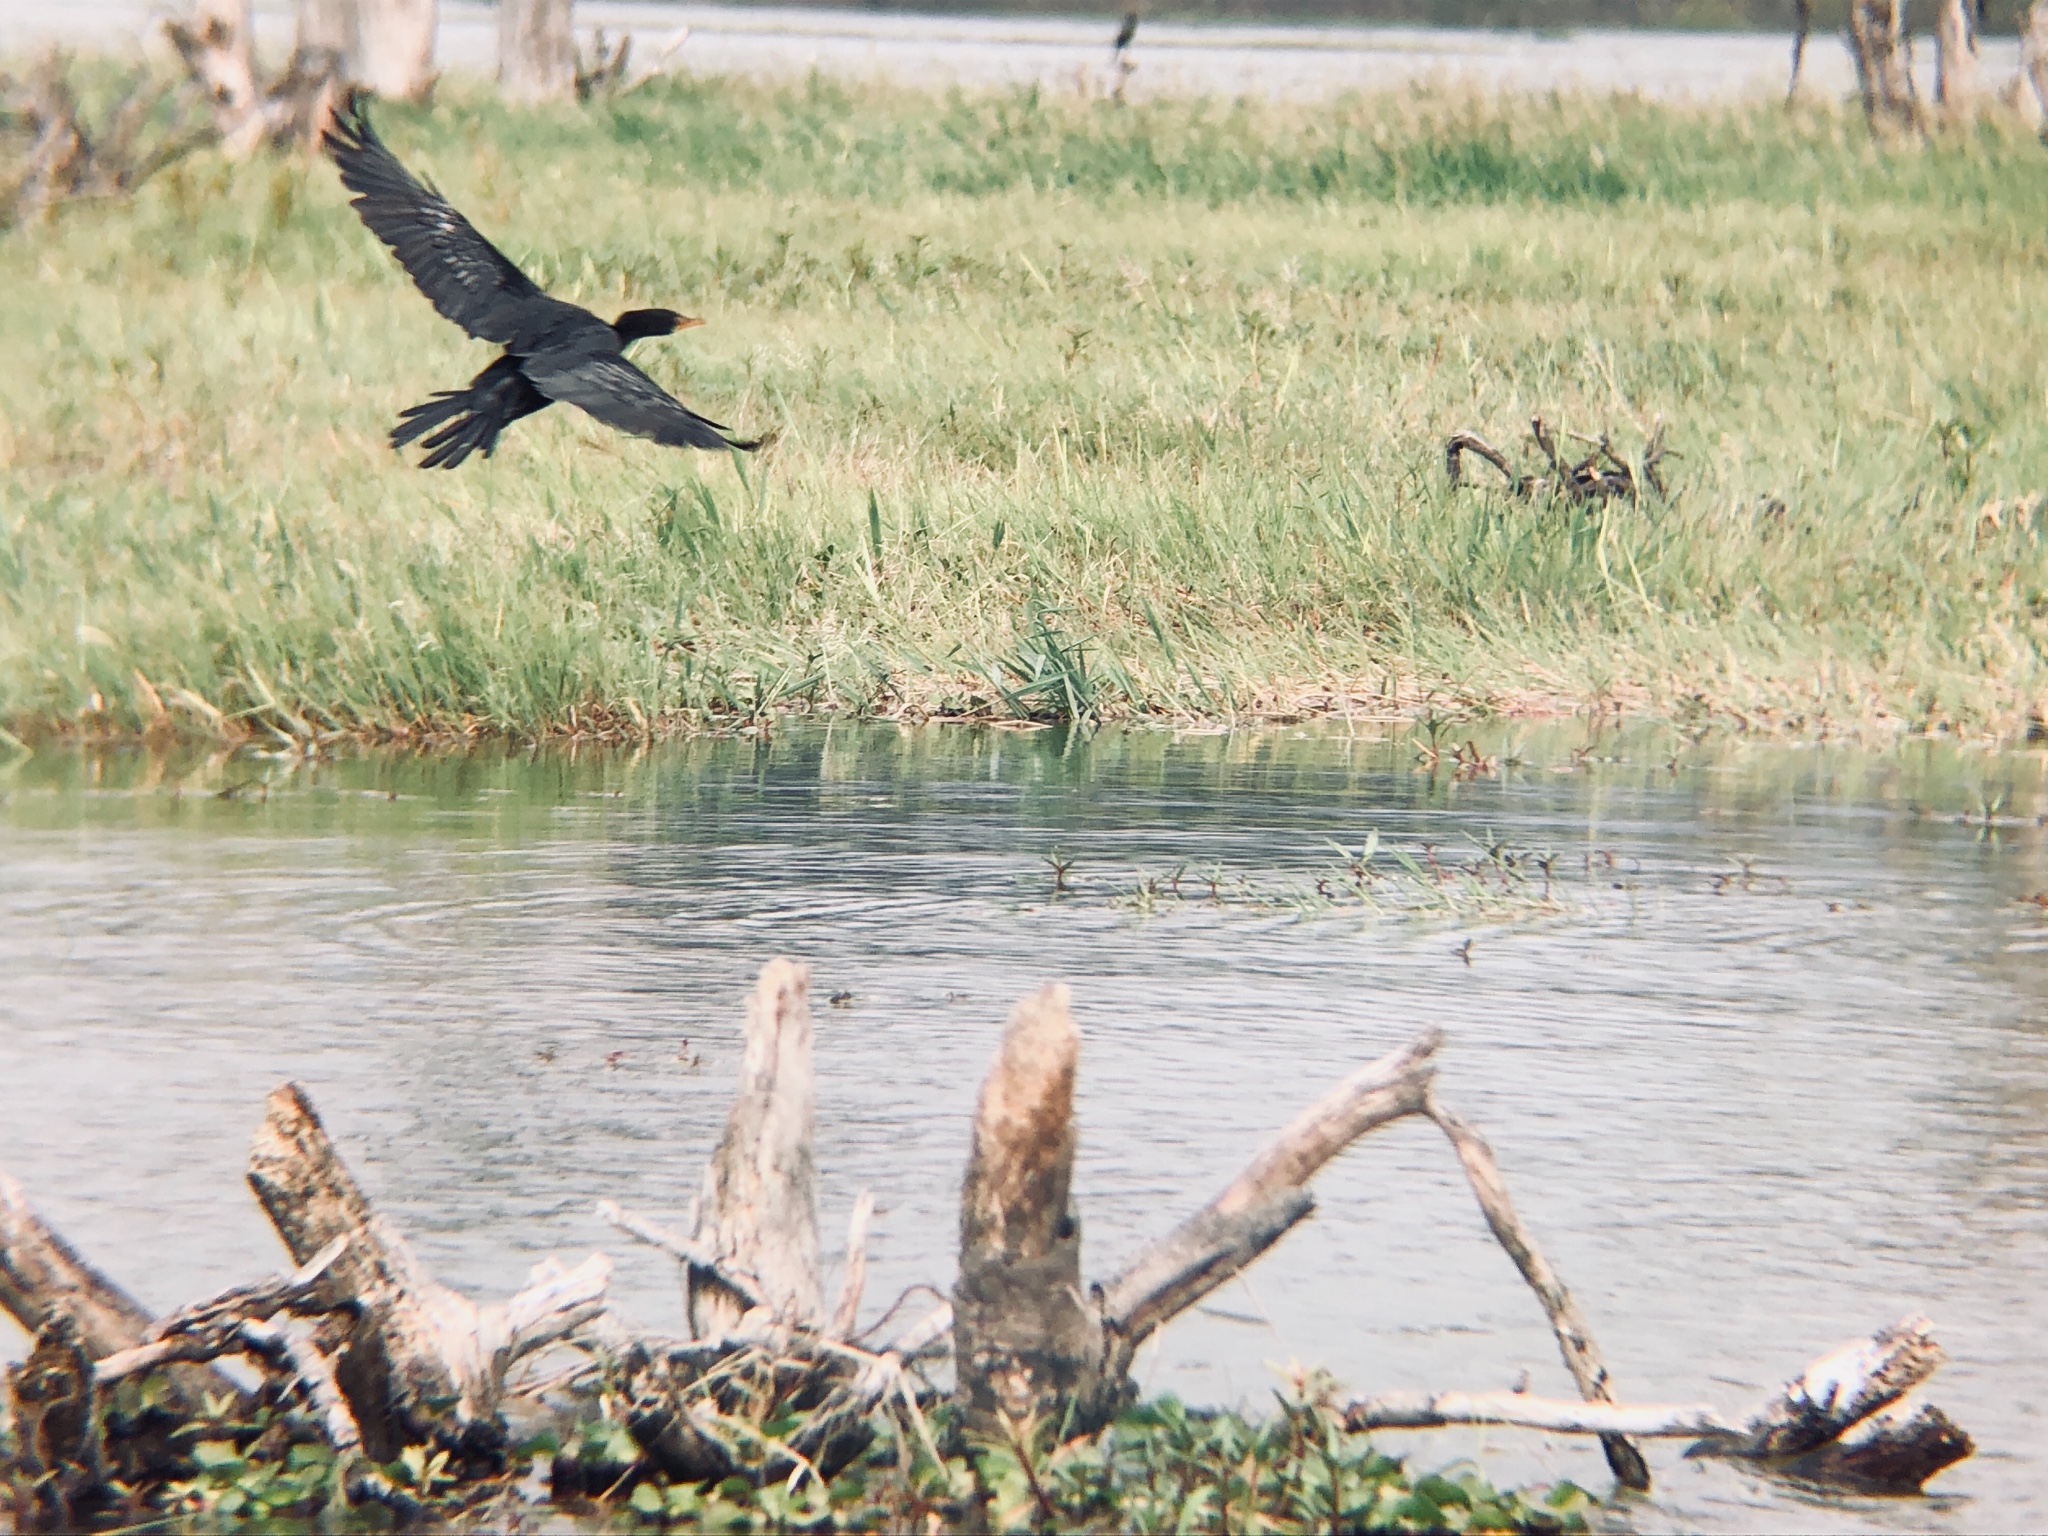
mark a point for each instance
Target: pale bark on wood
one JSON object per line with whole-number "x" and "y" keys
{"x": 219, "y": 48}
{"x": 759, "y": 1208}
{"x": 698, "y": 1259}
{"x": 1574, "y": 1338}
{"x": 1263, "y": 1203}
{"x": 1955, "y": 56}
{"x": 206, "y": 1330}
{"x": 1832, "y": 1424}
{"x": 422, "y": 1365}
{"x": 1521, "y": 1410}
{"x": 42, "y": 1276}
{"x": 394, "y": 48}
{"x": 536, "y": 50}
{"x": 1027, "y": 1345}
{"x": 1840, "y": 1389}
{"x": 846, "y": 1311}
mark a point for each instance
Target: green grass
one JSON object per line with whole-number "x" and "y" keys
{"x": 1080, "y": 410}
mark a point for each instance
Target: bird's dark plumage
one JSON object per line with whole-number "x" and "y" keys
{"x": 553, "y": 350}
{"x": 1124, "y": 33}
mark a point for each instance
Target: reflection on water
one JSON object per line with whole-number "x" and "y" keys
{"x": 1782, "y": 1079}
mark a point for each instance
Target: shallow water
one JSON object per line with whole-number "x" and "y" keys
{"x": 1062, "y": 53}
{"x": 1779, "y": 1077}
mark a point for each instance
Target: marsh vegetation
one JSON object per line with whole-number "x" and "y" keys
{"x": 1081, "y": 410}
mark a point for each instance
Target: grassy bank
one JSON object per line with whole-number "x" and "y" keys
{"x": 1078, "y": 409}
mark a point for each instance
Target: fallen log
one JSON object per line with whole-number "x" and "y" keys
{"x": 207, "y": 1330}
{"x": 1829, "y": 1425}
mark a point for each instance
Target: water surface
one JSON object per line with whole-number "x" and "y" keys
{"x": 1779, "y": 1075}
{"x": 1065, "y": 53}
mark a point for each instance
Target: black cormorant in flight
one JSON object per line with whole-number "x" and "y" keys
{"x": 553, "y": 351}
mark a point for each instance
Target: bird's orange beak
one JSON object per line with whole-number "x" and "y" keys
{"x": 687, "y": 322}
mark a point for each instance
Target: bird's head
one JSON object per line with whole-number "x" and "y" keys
{"x": 639, "y": 324}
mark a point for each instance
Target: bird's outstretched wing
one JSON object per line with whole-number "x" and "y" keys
{"x": 468, "y": 279}
{"x": 620, "y": 395}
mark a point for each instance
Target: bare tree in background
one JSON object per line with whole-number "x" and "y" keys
{"x": 394, "y": 48}
{"x": 2033, "y": 79}
{"x": 219, "y": 48}
{"x": 326, "y": 30}
{"x": 1876, "y": 38}
{"x": 536, "y": 50}
{"x": 1955, "y": 56}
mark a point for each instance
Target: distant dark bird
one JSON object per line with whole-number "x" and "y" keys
{"x": 1125, "y": 33}
{"x": 553, "y": 350}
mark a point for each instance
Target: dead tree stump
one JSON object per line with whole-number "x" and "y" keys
{"x": 758, "y": 1214}
{"x": 1027, "y": 1343}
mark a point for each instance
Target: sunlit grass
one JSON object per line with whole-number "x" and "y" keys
{"x": 1078, "y": 409}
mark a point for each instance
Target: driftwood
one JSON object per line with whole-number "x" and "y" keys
{"x": 1827, "y": 1426}
{"x": 1600, "y": 475}
{"x": 769, "y": 1385}
{"x": 54, "y": 1404}
{"x": 1574, "y": 1338}
{"x": 420, "y": 1364}
{"x": 2029, "y": 91}
{"x": 536, "y": 50}
{"x": 1263, "y": 1203}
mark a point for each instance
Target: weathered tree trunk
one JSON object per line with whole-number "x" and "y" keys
{"x": 1829, "y": 1425}
{"x": 1876, "y": 37}
{"x": 536, "y": 50}
{"x": 1955, "y": 57}
{"x": 422, "y": 1365}
{"x": 1027, "y": 1345}
{"x": 394, "y": 48}
{"x": 758, "y": 1213}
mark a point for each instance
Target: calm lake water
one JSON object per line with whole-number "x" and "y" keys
{"x": 1778, "y": 1075}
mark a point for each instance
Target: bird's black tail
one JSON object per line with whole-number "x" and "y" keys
{"x": 465, "y": 429}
